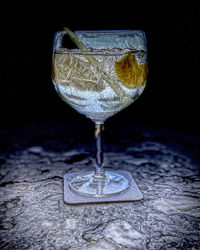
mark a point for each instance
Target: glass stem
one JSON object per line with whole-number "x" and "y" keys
{"x": 99, "y": 170}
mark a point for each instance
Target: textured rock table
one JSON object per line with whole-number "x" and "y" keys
{"x": 33, "y": 215}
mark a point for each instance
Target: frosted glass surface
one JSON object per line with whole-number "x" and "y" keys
{"x": 134, "y": 39}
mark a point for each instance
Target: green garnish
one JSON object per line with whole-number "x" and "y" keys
{"x": 76, "y": 40}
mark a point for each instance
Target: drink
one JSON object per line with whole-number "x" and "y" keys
{"x": 101, "y": 82}
{"x": 105, "y": 74}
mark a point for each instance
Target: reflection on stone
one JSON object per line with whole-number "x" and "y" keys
{"x": 123, "y": 234}
{"x": 179, "y": 204}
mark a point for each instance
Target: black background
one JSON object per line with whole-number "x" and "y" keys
{"x": 172, "y": 95}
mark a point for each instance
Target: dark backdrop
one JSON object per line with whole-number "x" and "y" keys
{"x": 172, "y": 96}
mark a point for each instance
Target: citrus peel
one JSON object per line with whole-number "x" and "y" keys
{"x": 131, "y": 74}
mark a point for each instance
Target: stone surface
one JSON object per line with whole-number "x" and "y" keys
{"x": 164, "y": 164}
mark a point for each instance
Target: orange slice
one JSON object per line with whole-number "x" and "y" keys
{"x": 130, "y": 73}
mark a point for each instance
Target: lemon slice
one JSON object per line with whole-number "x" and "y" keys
{"x": 130, "y": 73}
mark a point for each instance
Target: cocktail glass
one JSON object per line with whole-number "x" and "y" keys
{"x": 105, "y": 74}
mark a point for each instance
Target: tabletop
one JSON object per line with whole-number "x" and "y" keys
{"x": 165, "y": 165}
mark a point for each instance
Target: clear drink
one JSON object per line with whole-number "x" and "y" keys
{"x": 101, "y": 82}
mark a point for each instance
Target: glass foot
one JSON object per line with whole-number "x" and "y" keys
{"x": 86, "y": 184}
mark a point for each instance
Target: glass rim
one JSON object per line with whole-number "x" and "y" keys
{"x": 117, "y": 31}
